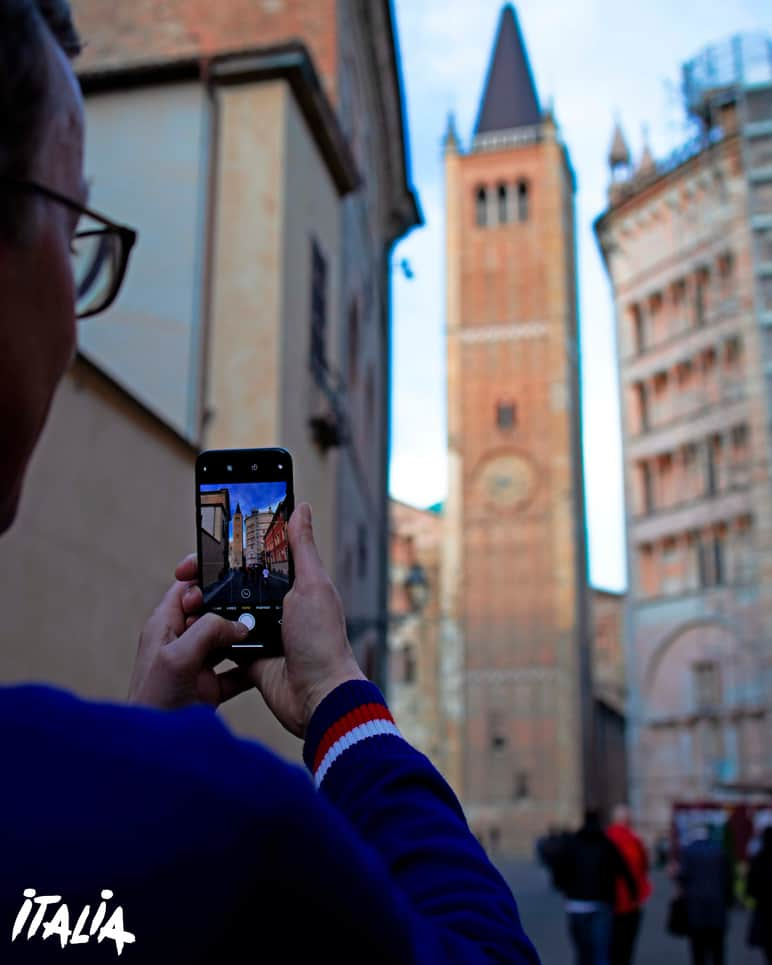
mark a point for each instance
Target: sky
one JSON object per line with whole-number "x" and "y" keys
{"x": 597, "y": 60}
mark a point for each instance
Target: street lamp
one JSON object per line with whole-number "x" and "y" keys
{"x": 417, "y": 587}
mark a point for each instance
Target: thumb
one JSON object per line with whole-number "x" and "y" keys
{"x": 308, "y": 563}
{"x": 207, "y": 635}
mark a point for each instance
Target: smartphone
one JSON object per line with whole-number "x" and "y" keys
{"x": 244, "y": 499}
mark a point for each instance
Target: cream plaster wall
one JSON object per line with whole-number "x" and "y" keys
{"x": 243, "y": 343}
{"x": 311, "y": 210}
{"x": 273, "y": 195}
{"x": 107, "y": 511}
{"x": 147, "y": 151}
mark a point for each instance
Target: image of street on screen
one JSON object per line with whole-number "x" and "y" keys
{"x": 244, "y": 545}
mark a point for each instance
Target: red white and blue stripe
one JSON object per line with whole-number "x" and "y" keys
{"x": 352, "y": 713}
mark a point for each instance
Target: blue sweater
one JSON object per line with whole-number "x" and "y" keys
{"x": 218, "y": 851}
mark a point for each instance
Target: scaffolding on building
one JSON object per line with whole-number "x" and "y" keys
{"x": 739, "y": 71}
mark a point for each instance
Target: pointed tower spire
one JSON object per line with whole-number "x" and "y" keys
{"x": 510, "y": 97}
{"x": 619, "y": 154}
{"x": 647, "y": 158}
{"x": 450, "y": 141}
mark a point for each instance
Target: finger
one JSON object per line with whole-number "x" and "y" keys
{"x": 168, "y": 619}
{"x": 208, "y": 634}
{"x": 308, "y": 563}
{"x": 192, "y": 599}
{"x": 187, "y": 569}
{"x": 233, "y": 682}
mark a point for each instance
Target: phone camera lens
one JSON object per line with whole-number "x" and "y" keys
{"x": 281, "y": 466}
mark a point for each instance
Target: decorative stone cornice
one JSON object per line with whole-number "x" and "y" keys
{"x": 501, "y": 333}
{"x": 516, "y": 137}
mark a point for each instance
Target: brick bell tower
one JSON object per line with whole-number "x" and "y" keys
{"x": 515, "y": 572}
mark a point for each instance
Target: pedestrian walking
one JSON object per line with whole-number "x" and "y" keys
{"x": 549, "y": 848}
{"x": 627, "y": 910}
{"x": 706, "y": 879}
{"x": 587, "y": 873}
{"x": 760, "y": 889}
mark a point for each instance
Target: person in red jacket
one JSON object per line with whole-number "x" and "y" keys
{"x": 627, "y": 909}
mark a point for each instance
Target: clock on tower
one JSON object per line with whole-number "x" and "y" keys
{"x": 506, "y": 481}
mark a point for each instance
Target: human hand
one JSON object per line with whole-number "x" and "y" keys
{"x": 317, "y": 654}
{"x": 174, "y": 666}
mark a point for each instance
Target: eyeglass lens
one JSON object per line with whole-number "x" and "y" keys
{"x": 96, "y": 258}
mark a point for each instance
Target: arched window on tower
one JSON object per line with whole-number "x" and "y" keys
{"x": 482, "y": 207}
{"x": 522, "y": 200}
{"x": 503, "y": 206}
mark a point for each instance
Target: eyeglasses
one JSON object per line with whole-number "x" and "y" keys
{"x": 100, "y": 251}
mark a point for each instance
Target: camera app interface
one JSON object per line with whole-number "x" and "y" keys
{"x": 244, "y": 546}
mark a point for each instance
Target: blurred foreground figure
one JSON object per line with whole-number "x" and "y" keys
{"x": 627, "y": 911}
{"x": 760, "y": 889}
{"x": 588, "y": 869}
{"x": 549, "y": 848}
{"x": 152, "y": 829}
{"x": 705, "y": 875}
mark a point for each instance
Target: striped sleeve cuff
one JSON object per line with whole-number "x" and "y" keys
{"x": 354, "y": 712}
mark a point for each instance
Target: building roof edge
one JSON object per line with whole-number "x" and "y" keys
{"x": 291, "y": 62}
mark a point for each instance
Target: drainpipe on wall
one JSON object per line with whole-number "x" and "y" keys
{"x": 382, "y": 643}
{"x": 210, "y": 224}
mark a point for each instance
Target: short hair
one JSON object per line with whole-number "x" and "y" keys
{"x": 592, "y": 818}
{"x": 621, "y": 814}
{"x": 24, "y": 91}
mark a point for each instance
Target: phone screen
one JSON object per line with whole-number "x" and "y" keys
{"x": 245, "y": 499}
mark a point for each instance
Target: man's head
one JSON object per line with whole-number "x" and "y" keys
{"x": 41, "y": 139}
{"x": 591, "y": 820}
{"x": 621, "y": 815}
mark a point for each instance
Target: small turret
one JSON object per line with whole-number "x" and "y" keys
{"x": 619, "y": 154}
{"x": 450, "y": 142}
{"x": 646, "y": 165}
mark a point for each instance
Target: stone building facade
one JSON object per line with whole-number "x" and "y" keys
{"x": 416, "y": 672}
{"x": 215, "y": 525}
{"x": 256, "y": 526}
{"x": 514, "y": 583}
{"x": 688, "y": 246}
